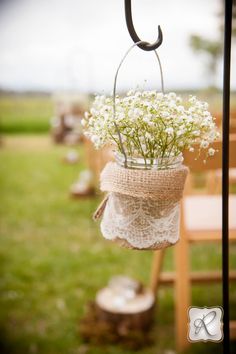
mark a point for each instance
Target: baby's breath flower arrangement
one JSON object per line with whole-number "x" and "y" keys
{"x": 152, "y": 125}
{"x": 148, "y": 131}
{"x": 142, "y": 208}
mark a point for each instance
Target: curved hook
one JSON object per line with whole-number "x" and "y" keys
{"x": 129, "y": 22}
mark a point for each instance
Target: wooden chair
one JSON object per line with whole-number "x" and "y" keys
{"x": 232, "y": 171}
{"x": 200, "y": 222}
{"x": 216, "y": 175}
{"x": 96, "y": 159}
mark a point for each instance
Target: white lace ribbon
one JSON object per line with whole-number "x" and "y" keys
{"x": 142, "y": 222}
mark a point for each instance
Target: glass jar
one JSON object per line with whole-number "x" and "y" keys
{"x": 139, "y": 222}
{"x": 140, "y": 163}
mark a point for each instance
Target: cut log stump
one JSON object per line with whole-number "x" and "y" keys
{"x": 112, "y": 319}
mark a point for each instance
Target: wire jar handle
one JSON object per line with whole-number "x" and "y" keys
{"x": 114, "y": 93}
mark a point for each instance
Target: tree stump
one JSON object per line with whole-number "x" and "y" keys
{"x": 134, "y": 314}
{"x": 114, "y": 319}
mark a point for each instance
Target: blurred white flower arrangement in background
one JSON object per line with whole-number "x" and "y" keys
{"x": 151, "y": 124}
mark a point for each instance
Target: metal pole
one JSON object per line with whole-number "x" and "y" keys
{"x": 225, "y": 172}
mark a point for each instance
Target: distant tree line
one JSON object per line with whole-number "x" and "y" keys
{"x": 213, "y": 48}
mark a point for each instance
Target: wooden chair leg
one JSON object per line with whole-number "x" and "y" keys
{"x": 156, "y": 269}
{"x": 182, "y": 288}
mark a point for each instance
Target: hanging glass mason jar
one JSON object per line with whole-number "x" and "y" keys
{"x": 142, "y": 206}
{"x": 143, "y": 212}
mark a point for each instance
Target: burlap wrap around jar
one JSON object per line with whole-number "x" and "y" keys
{"x": 142, "y": 207}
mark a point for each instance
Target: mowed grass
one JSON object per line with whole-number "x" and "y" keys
{"x": 53, "y": 259}
{"x": 25, "y": 114}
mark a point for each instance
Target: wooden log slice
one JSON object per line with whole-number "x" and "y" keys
{"x": 126, "y": 315}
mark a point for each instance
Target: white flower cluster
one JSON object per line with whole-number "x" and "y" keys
{"x": 151, "y": 124}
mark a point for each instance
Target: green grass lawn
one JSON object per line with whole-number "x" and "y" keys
{"x": 25, "y": 114}
{"x": 53, "y": 258}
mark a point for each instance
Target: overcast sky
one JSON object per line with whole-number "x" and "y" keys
{"x": 77, "y": 44}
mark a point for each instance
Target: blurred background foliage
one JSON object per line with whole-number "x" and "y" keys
{"x": 213, "y": 49}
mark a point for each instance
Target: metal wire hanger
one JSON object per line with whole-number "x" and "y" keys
{"x": 114, "y": 94}
{"x": 144, "y": 46}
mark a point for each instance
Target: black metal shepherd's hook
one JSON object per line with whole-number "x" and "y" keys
{"x": 225, "y": 151}
{"x": 145, "y": 45}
